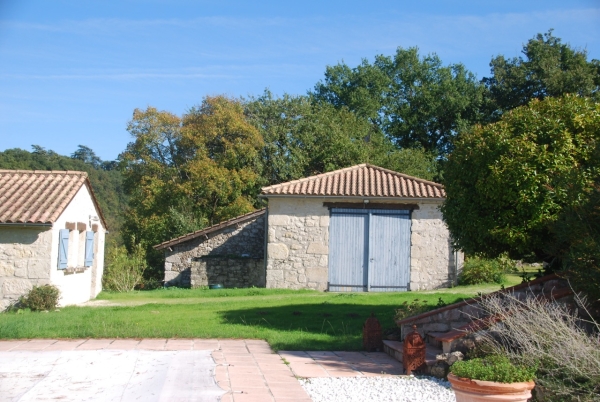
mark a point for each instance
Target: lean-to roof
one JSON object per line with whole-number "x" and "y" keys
{"x": 210, "y": 229}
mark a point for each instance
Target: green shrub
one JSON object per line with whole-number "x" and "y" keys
{"x": 149, "y": 284}
{"x": 478, "y": 270}
{"x": 41, "y": 298}
{"x": 493, "y": 368}
{"x": 415, "y": 307}
{"x": 124, "y": 271}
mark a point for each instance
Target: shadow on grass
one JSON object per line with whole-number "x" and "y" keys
{"x": 323, "y": 326}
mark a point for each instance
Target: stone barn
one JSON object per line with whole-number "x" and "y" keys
{"x": 51, "y": 232}
{"x": 230, "y": 253}
{"x": 363, "y": 228}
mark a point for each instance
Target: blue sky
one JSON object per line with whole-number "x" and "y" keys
{"x": 72, "y": 72}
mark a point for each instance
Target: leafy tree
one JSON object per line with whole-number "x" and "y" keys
{"x": 416, "y": 102}
{"x": 548, "y": 68}
{"x": 185, "y": 173}
{"x": 223, "y": 165}
{"x": 87, "y": 155}
{"x": 412, "y": 161}
{"x": 124, "y": 271}
{"x": 510, "y": 182}
{"x": 577, "y": 234}
{"x": 303, "y": 137}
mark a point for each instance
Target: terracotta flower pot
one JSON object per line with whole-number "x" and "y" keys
{"x": 467, "y": 390}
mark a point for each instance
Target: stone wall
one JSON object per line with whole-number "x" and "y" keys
{"x": 229, "y": 272}
{"x": 24, "y": 261}
{"x": 297, "y": 247}
{"x": 298, "y": 239}
{"x": 433, "y": 262}
{"x": 455, "y": 316}
{"x": 232, "y": 256}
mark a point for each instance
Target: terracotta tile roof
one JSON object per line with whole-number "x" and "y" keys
{"x": 210, "y": 229}
{"x": 359, "y": 181}
{"x": 39, "y": 196}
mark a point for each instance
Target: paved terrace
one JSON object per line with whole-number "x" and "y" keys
{"x": 171, "y": 370}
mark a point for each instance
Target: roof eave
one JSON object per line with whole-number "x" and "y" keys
{"x": 95, "y": 201}
{"x": 357, "y": 197}
{"x": 26, "y": 224}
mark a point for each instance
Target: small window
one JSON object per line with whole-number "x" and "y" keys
{"x": 75, "y": 246}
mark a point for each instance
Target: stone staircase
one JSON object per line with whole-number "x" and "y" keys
{"x": 444, "y": 328}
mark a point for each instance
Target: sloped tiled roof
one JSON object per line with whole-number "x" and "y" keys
{"x": 210, "y": 229}
{"x": 39, "y": 196}
{"x": 359, "y": 181}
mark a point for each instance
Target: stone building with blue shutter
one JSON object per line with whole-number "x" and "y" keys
{"x": 51, "y": 232}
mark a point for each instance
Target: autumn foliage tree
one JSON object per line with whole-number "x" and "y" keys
{"x": 223, "y": 149}
{"x": 183, "y": 173}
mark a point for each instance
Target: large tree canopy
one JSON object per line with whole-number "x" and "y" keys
{"x": 548, "y": 68}
{"x": 303, "y": 137}
{"x": 416, "y": 102}
{"x": 510, "y": 182}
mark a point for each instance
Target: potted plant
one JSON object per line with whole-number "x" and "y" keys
{"x": 491, "y": 378}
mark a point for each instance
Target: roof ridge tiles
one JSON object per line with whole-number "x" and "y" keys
{"x": 70, "y": 172}
{"x": 317, "y": 175}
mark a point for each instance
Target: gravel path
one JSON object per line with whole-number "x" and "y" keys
{"x": 383, "y": 389}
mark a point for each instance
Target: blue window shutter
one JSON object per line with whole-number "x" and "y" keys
{"x": 63, "y": 248}
{"x": 89, "y": 249}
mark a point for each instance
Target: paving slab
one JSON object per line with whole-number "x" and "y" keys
{"x": 122, "y": 344}
{"x": 9, "y": 345}
{"x": 107, "y": 375}
{"x": 341, "y": 364}
{"x": 35, "y": 344}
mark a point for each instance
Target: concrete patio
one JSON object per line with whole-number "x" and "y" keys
{"x": 171, "y": 369}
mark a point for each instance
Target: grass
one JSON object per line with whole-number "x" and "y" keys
{"x": 287, "y": 319}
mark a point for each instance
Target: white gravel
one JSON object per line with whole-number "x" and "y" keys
{"x": 383, "y": 389}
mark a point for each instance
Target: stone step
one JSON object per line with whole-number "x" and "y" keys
{"x": 445, "y": 340}
{"x": 435, "y": 339}
{"x": 395, "y": 350}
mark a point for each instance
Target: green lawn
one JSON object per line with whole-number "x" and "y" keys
{"x": 287, "y": 319}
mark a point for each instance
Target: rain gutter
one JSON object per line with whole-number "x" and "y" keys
{"x": 26, "y": 224}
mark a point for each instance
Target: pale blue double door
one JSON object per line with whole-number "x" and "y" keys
{"x": 369, "y": 250}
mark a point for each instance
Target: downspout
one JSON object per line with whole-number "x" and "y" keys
{"x": 266, "y": 241}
